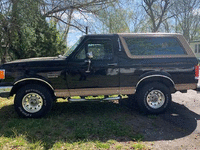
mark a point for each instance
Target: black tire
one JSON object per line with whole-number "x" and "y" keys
{"x": 33, "y": 101}
{"x": 154, "y": 98}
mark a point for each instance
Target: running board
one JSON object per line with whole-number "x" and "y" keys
{"x": 112, "y": 98}
{"x": 94, "y": 100}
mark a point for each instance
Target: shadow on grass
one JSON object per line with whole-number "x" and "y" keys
{"x": 72, "y": 122}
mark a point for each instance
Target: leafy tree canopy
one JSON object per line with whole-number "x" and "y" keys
{"x": 26, "y": 33}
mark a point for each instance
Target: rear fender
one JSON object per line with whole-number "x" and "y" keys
{"x": 156, "y": 76}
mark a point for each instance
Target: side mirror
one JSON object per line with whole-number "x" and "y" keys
{"x": 89, "y": 55}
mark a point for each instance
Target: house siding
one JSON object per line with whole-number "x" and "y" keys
{"x": 195, "y": 45}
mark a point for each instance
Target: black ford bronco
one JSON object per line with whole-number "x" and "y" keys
{"x": 148, "y": 66}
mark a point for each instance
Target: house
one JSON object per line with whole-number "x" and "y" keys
{"x": 195, "y": 45}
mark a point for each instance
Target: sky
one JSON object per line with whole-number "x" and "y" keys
{"x": 95, "y": 26}
{"x": 75, "y": 34}
{"x": 92, "y": 22}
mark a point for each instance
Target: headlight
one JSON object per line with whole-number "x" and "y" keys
{"x": 2, "y": 74}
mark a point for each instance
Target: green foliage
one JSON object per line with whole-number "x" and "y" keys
{"x": 116, "y": 20}
{"x": 102, "y": 145}
{"x": 138, "y": 146}
{"x": 138, "y": 137}
{"x": 69, "y": 126}
{"x": 118, "y": 146}
{"x": 28, "y": 33}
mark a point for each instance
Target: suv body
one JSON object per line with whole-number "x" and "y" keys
{"x": 151, "y": 66}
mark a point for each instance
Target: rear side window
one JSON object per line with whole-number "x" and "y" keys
{"x": 154, "y": 46}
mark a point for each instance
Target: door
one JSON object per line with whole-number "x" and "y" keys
{"x": 93, "y": 76}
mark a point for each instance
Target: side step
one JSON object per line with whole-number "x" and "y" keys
{"x": 94, "y": 100}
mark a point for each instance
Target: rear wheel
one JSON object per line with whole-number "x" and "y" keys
{"x": 154, "y": 98}
{"x": 33, "y": 101}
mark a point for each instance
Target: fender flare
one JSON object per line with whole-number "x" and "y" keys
{"x": 155, "y": 75}
{"x": 31, "y": 79}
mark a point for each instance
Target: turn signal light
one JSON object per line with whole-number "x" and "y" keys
{"x": 2, "y": 74}
{"x": 197, "y": 72}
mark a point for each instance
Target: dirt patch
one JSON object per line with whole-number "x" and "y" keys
{"x": 179, "y": 127}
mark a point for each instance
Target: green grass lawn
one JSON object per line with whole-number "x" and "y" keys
{"x": 70, "y": 126}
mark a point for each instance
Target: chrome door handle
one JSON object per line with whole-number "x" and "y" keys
{"x": 113, "y": 64}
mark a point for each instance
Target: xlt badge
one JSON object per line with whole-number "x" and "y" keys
{"x": 53, "y": 74}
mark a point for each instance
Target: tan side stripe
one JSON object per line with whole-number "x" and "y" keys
{"x": 188, "y": 86}
{"x": 95, "y": 91}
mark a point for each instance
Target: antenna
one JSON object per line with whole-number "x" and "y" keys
{"x": 86, "y": 30}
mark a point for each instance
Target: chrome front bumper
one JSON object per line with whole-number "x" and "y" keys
{"x": 5, "y": 91}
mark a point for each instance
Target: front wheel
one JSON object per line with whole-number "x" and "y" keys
{"x": 33, "y": 101}
{"x": 154, "y": 98}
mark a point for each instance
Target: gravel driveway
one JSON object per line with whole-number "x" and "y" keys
{"x": 179, "y": 127}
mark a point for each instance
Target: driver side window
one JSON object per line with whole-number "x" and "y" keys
{"x": 101, "y": 50}
{"x": 81, "y": 54}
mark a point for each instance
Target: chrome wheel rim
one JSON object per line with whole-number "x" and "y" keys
{"x": 155, "y": 99}
{"x": 32, "y": 102}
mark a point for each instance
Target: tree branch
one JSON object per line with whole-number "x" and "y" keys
{"x": 68, "y": 24}
{"x": 79, "y": 5}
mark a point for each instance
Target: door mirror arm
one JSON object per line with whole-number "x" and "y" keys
{"x": 89, "y": 55}
{"x": 89, "y": 63}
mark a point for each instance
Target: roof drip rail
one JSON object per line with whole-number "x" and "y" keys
{"x": 120, "y": 49}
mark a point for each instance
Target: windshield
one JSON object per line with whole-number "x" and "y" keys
{"x": 71, "y": 49}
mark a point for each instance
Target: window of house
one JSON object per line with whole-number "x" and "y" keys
{"x": 195, "y": 48}
{"x": 199, "y": 48}
{"x": 154, "y": 46}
